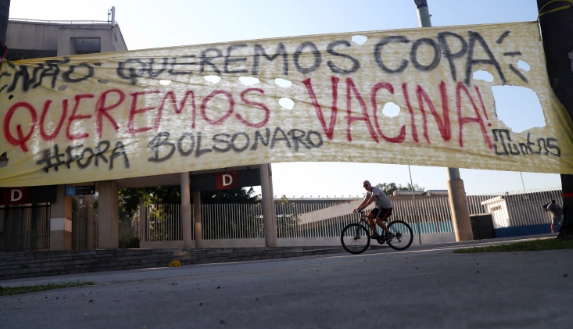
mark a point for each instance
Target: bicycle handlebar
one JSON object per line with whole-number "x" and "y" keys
{"x": 361, "y": 212}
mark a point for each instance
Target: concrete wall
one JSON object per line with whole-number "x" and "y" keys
{"x": 311, "y": 242}
{"x": 507, "y": 232}
{"x": 58, "y": 37}
{"x": 108, "y": 217}
{"x": 37, "y": 36}
{"x": 162, "y": 244}
{"x": 117, "y": 40}
{"x": 431, "y": 238}
{"x": 61, "y": 221}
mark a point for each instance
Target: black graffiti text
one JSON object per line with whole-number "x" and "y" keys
{"x": 163, "y": 145}
{"x": 83, "y": 157}
{"x": 33, "y": 77}
{"x": 541, "y": 146}
{"x": 461, "y": 54}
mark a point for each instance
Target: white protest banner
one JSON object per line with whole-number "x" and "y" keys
{"x": 310, "y": 98}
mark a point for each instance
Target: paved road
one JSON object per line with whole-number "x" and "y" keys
{"x": 424, "y": 287}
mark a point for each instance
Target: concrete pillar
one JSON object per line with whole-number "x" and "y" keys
{"x": 186, "y": 211}
{"x": 108, "y": 217}
{"x": 460, "y": 212}
{"x": 456, "y": 191}
{"x": 198, "y": 219}
{"x": 269, "y": 220}
{"x": 61, "y": 221}
{"x": 89, "y": 204}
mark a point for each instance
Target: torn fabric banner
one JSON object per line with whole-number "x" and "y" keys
{"x": 424, "y": 97}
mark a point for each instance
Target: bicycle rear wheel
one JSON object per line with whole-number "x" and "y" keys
{"x": 355, "y": 238}
{"x": 403, "y": 235}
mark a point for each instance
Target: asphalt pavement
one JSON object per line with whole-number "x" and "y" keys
{"x": 422, "y": 287}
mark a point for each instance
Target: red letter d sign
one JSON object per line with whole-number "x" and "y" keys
{"x": 225, "y": 180}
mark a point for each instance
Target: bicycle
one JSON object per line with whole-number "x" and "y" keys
{"x": 355, "y": 237}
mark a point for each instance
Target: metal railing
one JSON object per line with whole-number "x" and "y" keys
{"x": 326, "y": 219}
{"x": 79, "y": 225}
{"x": 163, "y": 223}
{"x": 85, "y": 22}
{"x": 24, "y": 228}
{"x": 232, "y": 221}
{"x": 524, "y": 207}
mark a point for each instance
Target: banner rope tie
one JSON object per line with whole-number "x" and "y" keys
{"x": 570, "y": 2}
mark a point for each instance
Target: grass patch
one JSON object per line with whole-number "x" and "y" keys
{"x": 8, "y": 291}
{"x": 532, "y": 245}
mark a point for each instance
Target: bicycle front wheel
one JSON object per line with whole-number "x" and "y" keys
{"x": 355, "y": 238}
{"x": 403, "y": 235}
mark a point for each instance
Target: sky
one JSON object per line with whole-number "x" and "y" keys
{"x": 167, "y": 23}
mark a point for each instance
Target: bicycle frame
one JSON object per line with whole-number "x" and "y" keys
{"x": 364, "y": 219}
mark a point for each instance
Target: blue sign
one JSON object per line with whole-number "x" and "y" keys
{"x": 70, "y": 191}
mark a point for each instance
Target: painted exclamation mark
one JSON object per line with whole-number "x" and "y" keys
{"x": 482, "y": 105}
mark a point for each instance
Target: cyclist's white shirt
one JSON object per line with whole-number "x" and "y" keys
{"x": 382, "y": 201}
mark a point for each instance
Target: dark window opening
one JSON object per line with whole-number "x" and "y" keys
{"x": 86, "y": 46}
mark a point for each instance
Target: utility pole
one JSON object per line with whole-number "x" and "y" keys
{"x": 4, "y": 13}
{"x": 456, "y": 190}
{"x": 556, "y": 30}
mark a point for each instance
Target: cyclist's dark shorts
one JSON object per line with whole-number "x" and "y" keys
{"x": 382, "y": 213}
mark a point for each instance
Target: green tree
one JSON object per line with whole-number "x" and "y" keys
{"x": 233, "y": 195}
{"x": 389, "y": 188}
{"x": 414, "y": 187}
{"x": 129, "y": 198}
{"x": 283, "y": 200}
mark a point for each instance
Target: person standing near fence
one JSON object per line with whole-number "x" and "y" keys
{"x": 556, "y": 213}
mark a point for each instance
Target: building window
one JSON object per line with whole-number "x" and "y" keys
{"x": 86, "y": 45}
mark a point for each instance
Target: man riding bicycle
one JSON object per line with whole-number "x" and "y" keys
{"x": 379, "y": 214}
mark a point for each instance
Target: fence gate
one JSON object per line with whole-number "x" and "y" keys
{"x": 79, "y": 225}
{"x": 24, "y": 228}
{"x": 482, "y": 226}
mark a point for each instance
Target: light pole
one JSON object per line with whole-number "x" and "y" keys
{"x": 456, "y": 190}
{"x": 4, "y": 13}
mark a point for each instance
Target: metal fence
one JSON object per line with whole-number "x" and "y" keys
{"x": 524, "y": 207}
{"x": 433, "y": 215}
{"x": 129, "y": 232}
{"x": 79, "y": 225}
{"x": 95, "y": 228}
{"x": 24, "y": 228}
{"x": 326, "y": 219}
{"x": 163, "y": 223}
{"x": 232, "y": 221}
